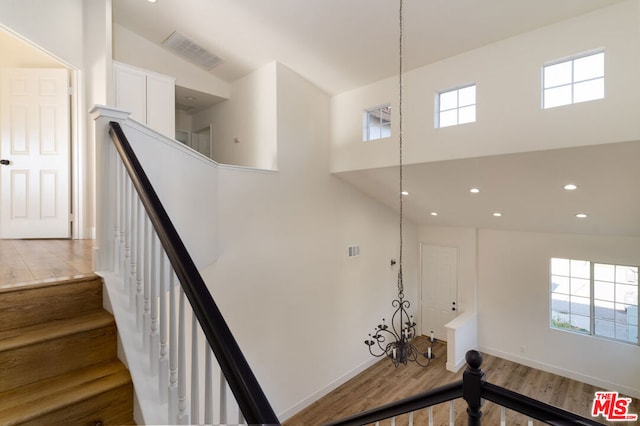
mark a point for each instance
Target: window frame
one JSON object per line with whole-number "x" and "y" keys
{"x": 366, "y": 121}
{"x": 458, "y": 107}
{"x": 592, "y": 300}
{"x": 573, "y": 82}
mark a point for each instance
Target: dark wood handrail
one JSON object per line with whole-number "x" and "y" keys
{"x": 533, "y": 408}
{"x": 473, "y": 389}
{"x": 245, "y": 387}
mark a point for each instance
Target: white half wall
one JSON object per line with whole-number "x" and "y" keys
{"x": 513, "y": 307}
{"x": 299, "y": 308}
{"x": 509, "y": 114}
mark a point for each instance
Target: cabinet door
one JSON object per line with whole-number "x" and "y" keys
{"x": 131, "y": 91}
{"x": 161, "y": 100}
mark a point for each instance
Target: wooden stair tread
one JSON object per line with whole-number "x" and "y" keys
{"x": 19, "y": 337}
{"x": 37, "y": 399}
{"x": 47, "y": 282}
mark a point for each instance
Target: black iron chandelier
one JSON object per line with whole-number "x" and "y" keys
{"x": 396, "y": 339}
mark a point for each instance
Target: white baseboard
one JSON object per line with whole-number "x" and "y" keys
{"x": 594, "y": 381}
{"x": 296, "y": 408}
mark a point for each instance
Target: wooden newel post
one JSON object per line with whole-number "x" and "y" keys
{"x": 472, "y": 383}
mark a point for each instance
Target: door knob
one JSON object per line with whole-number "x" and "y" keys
{"x": 5, "y": 162}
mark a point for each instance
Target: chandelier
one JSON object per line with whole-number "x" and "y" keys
{"x": 395, "y": 340}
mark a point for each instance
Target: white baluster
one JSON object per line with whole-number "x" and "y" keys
{"x": 195, "y": 384}
{"x": 223, "y": 399}
{"x": 116, "y": 216}
{"x": 183, "y": 415}
{"x": 164, "y": 357}
{"x": 431, "y": 415}
{"x": 393, "y": 421}
{"x": 530, "y": 422}
{"x": 503, "y": 416}
{"x": 134, "y": 242}
{"x": 173, "y": 351}
{"x": 452, "y": 414}
{"x": 139, "y": 297}
{"x": 411, "y": 418}
{"x": 127, "y": 234}
{"x": 154, "y": 336}
{"x": 208, "y": 386}
{"x": 146, "y": 314}
{"x": 123, "y": 192}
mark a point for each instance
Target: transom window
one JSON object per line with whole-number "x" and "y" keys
{"x": 457, "y": 106}
{"x": 377, "y": 123}
{"x": 579, "y": 79}
{"x": 599, "y": 299}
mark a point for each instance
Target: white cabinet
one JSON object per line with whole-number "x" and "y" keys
{"x": 148, "y": 96}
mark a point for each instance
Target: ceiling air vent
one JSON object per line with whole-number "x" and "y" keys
{"x": 182, "y": 46}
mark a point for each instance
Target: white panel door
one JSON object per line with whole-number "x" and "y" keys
{"x": 34, "y": 127}
{"x": 439, "y": 288}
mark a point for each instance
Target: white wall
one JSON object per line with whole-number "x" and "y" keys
{"x": 130, "y": 48}
{"x": 509, "y": 115}
{"x": 513, "y": 307}
{"x": 244, "y": 128}
{"x": 299, "y": 308}
{"x": 34, "y": 20}
{"x": 16, "y": 53}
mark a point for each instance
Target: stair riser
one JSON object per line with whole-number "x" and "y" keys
{"x": 113, "y": 407}
{"x": 38, "y": 361}
{"x": 29, "y": 306}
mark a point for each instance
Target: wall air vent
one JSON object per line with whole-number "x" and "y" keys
{"x": 353, "y": 251}
{"x": 189, "y": 50}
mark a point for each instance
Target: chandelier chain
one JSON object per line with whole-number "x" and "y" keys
{"x": 400, "y": 278}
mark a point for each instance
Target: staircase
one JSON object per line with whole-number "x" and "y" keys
{"x": 58, "y": 356}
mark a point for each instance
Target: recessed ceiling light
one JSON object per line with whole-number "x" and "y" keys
{"x": 474, "y": 190}
{"x": 497, "y": 214}
{"x": 434, "y": 213}
{"x": 581, "y": 215}
{"x": 571, "y": 187}
{"x": 190, "y": 98}
{"x": 152, "y": 1}
{"x": 404, "y": 193}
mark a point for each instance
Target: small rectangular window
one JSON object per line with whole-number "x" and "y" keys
{"x": 595, "y": 298}
{"x": 456, "y": 106}
{"x": 578, "y": 79}
{"x": 377, "y": 123}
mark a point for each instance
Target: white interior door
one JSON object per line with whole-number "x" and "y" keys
{"x": 35, "y": 145}
{"x": 439, "y": 288}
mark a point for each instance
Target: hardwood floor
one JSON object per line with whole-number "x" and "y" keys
{"x": 383, "y": 383}
{"x": 29, "y": 260}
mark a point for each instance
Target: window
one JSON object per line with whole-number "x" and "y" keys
{"x": 377, "y": 123}
{"x": 457, "y": 106}
{"x": 579, "y": 79}
{"x": 595, "y": 298}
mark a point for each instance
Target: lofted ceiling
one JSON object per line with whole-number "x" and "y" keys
{"x": 340, "y": 45}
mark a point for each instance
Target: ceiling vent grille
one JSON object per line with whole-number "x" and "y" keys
{"x": 182, "y": 46}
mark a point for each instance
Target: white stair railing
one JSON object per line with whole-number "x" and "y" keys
{"x": 146, "y": 285}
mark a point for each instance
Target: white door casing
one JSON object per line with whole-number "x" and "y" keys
{"x": 439, "y": 288}
{"x": 35, "y": 140}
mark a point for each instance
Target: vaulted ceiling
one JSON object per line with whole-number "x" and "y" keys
{"x": 343, "y": 44}
{"x": 340, "y": 44}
